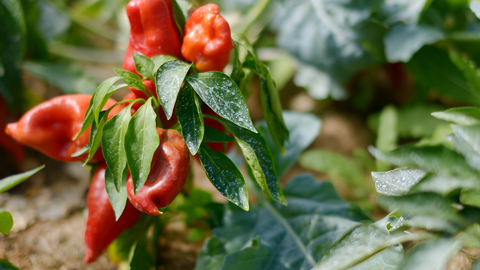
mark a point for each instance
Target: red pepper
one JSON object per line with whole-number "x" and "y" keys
{"x": 207, "y": 40}
{"x": 168, "y": 174}
{"x": 11, "y": 146}
{"x": 153, "y": 31}
{"x": 101, "y": 227}
{"x": 50, "y": 126}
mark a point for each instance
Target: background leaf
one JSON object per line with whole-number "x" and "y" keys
{"x": 6, "y": 222}
{"x": 13, "y": 180}
{"x": 432, "y": 255}
{"x": 397, "y": 182}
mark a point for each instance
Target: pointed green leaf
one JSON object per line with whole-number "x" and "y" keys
{"x": 272, "y": 110}
{"x": 13, "y": 180}
{"x": 118, "y": 198}
{"x": 179, "y": 17}
{"x": 462, "y": 116}
{"x": 99, "y": 99}
{"x": 223, "y": 96}
{"x": 96, "y": 135}
{"x": 215, "y": 135}
{"x": 225, "y": 176}
{"x": 113, "y": 144}
{"x": 6, "y": 222}
{"x": 89, "y": 114}
{"x": 432, "y": 255}
{"x": 189, "y": 116}
{"x": 159, "y": 60}
{"x": 170, "y": 77}
{"x": 397, "y": 182}
{"x": 126, "y": 74}
{"x": 258, "y": 156}
{"x": 141, "y": 141}
{"x": 144, "y": 65}
{"x": 81, "y": 151}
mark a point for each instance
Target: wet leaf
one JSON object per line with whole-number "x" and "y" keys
{"x": 170, "y": 77}
{"x": 397, "y": 182}
{"x": 189, "y": 115}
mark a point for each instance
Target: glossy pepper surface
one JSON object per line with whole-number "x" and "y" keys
{"x": 50, "y": 127}
{"x": 102, "y": 228}
{"x": 207, "y": 40}
{"x": 153, "y": 30}
{"x": 168, "y": 174}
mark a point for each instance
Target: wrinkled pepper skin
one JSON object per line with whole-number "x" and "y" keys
{"x": 153, "y": 31}
{"x": 168, "y": 174}
{"x": 101, "y": 227}
{"x": 6, "y": 142}
{"x": 50, "y": 127}
{"x": 207, "y": 40}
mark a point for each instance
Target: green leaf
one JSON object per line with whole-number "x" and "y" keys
{"x": 432, "y": 255}
{"x": 126, "y": 74}
{"x": 99, "y": 99}
{"x": 402, "y": 41}
{"x": 469, "y": 70}
{"x": 113, "y": 144}
{"x": 426, "y": 223}
{"x": 289, "y": 237}
{"x": 438, "y": 159}
{"x": 471, "y": 237}
{"x": 6, "y": 222}
{"x": 444, "y": 185}
{"x": 303, "y": 129}
{"x": 142, "y": 259}
{"x": 159, "y": 60}
{"x": 5, "y": 265}
{"x": 424, "y": 204}
{"x": 475, "y": 7}
{"x": 141, "y": 141}
{"x": 13, "y": 180}
{"x": 223, "y": 96}
{"x": 225, "y": 176}
{"x": 145, "y": 66}
{"x": 179, "y": 17}
{"x": 272, "y": 110}
{"x": 190, "y": 117}
{"x": 120, "y": 249}
{"x": 466, "y": 142}
{"x": 96, "y": 135}
{"x": 388, "y": 259}
{"x": 237, "y": 74}
{"x": 408, "y": 11}
{"x": 117, "y": 196}
{"x": 89, "y": 114}
{"x": 462, "y": 116}
{"x": 433, "y": 68}
{"x": 397, "y": 182}
{"x": 470, "y": 197}
{"x": 258, "y": 156}
{"x": 360, "y": 244}
{"x": 215, "y": 135}
{"x": 387, "y": 136}
{"x": 170, "y": 77}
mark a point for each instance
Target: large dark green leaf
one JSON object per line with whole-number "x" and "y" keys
{"x": 6, "y": 222}
{"x": 118, "y": 198}
{"x": 113, "y": 144}
{"x": 303, "y": 129}
{"x": 223, "y": 96}
{"x": 432, "y": 255}
{"x": 170, "y": 77}
{"x": 257, "y": 154}
{"x": 438, "y": 159}
{"x": 189, "y": 115}
{"x": 279, "y": 237}
{"x": 215, "y": 135}
{"x": 225, "y": 176}
{"x": 141, "y": 141}
{"x": 13, "y": 180}
{"x": 433, "y": 68}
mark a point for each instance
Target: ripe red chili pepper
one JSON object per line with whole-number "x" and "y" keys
{"x": 153, "y": 30}
{"x": 168, "y": 174}
{"x": 50, "y": 126}
{"x": 101, "y": 227}
{"x": 12, "y": 147}
{"x": 207, "y": 39}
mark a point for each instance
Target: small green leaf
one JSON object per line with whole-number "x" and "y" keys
{"x": 189, "y": 116}
{"x": 99, "y": 99}
{"x": 6, "y": 222}
{"x": 118, "y": 198}
{"x": 258, "y": 156}
{"x": 159, "y": 60}
{"x": 144, "y": 65}
{"x": 461, "y": 116}
{"x": 214, "y": 135}
{"x": 141, "y": 141}
{"x": 126, "y": 74}
{"x": 142, "y": 258}
{"x": 179, "y": 17}
{"x": 5, "y": 265}
{"x": 113, "y": 144}
{"x": 96, "y": 135}
{"x": 397, "y": 182}
{"x": 137, "y": 84}
{"x": 225, "y": 176}
{"x": 469, "y": 70}
{"x": 432, "y": 255}
{"x": 13, "y": 180}
{"x": 237, "y": 74}
{"x": 223, "y": 96}
{"x": 470, "y": 197}
{"x": 81, "y": 151}
{"x": 170, "y": 77}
